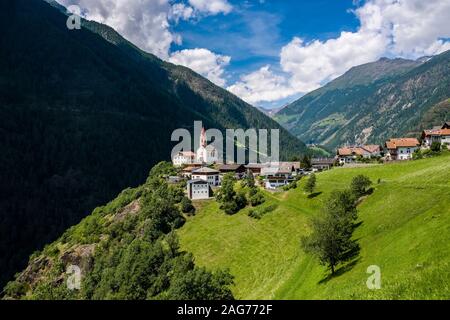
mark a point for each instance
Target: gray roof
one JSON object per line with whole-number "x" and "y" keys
{"x": 197, "y": 181}
{"x": 205, "y": 170}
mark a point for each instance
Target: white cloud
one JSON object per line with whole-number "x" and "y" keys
{"x": 262, "y": 85}
{"x": 143, "y": 22}
{"x": 181, "y": 11}
{"x": 203, "y": 61}
{"x": 212, "y": 6}
{"x": 146, "y": 23}
{"x": 406, "y": 28}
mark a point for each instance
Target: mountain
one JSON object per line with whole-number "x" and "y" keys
{"x": 85, "y": 114}
{"x": 271, "y": 112}
{"x": 370, "y": 103}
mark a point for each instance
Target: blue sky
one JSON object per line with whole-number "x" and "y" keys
{"x": 255, "y": 31}
{"x": 271, "y": 52}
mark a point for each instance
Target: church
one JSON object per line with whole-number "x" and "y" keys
{"x": 206, "y": 153}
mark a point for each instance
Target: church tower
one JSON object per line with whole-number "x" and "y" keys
{"x": 203, "y": 141}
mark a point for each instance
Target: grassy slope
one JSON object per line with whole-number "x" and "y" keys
{"x": 405, "y": 230}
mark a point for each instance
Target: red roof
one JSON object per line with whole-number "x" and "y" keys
{"x": 402, "y": 143}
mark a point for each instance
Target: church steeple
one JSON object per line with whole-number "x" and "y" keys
{"x": 203, "y": 141}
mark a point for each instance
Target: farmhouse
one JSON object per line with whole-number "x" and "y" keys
{"x": 401, "y": 148}
{"x": 187, "y": 171}
{"x": 437, "y": 134}
{"x": 237, "y": 169}
{"x": 350, "y": 154}
{"x": 280, "y": 174}
{"x": 198, "y": 190}
{"x": 274, "y": 182}
{"x": 206, "y": 174}
{"x": 322, "y": 163}
{"x": 256, "y": 168}
{"x": 183, "y": 158}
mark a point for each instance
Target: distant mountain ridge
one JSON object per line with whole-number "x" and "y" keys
{"x": 371, "y": 102}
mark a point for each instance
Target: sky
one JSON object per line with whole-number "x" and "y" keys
{"x": 271, "y": 52}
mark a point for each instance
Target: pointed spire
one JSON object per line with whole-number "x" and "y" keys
{"x": 203, "y": 141}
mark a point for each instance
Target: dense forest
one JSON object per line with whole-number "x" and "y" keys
{"x": 83, "y": 115}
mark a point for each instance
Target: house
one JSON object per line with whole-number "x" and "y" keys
{"x": 293, "y": 166}
{"x": 437, "y": 134}
{"x": 401, "y": 148}
{"x": 276, "y": 171}
{"x": 238, "y": 170}
{"x": 206, "y": 174}
{"x": 256, "y": 168}
{"x": 183, "y": 158}
{"x": 322, "y": 163}
{"x": 279, "y": 174}
{"x": 187, "y": 171}
{"x": 274, "y": 182}
{"x": 198, "y": 190}
{"x": 350, "y": 154}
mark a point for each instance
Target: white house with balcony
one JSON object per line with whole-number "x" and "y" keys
{"x": 207, "y": 174}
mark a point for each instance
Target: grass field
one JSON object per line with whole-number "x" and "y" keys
{"x": 405, "y": 230}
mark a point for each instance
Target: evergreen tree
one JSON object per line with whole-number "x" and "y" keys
{"x": 311, "y": 183}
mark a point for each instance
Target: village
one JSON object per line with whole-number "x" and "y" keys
{"x": 204, "y": 172}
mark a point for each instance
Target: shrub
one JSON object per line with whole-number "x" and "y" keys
{"x": 186, "y": 206}
{"x": 435, "y": 146}
{"x": 260, "y": 212}
{"x": 257, "y": 199}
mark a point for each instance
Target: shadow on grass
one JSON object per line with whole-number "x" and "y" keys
{"x": 313, "y": 195}
{"x": 352, "y": 257}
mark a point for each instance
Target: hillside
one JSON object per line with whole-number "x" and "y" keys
{"x": 405, "y": 229}
{"x": 125, "y": 250}
{"x": 85, "y": 114}
{"x": 370, "y": 103}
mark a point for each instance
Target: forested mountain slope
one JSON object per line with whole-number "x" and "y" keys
{"x": 82, "y": 118}
{"x": 372, "y": 102}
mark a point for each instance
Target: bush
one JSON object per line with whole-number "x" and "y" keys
{"x": 257, "y": 199}
{"x": 259, "y": 213}
{"x": 186, "y": 206}
{"x": 435, "y": 146}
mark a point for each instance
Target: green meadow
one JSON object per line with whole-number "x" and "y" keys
{"x": 404, "y": 228}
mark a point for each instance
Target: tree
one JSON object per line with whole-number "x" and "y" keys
{"x": 249, "y": 180}
{"x": 311, "y": 183}
{"x": 227, "y": 192}
{"x": 231, "y": 202}
{"x": 435, "y": 146}
{"x": 306, "y": 162}
{"x": 257, "y": 199}
{"x": 359, "y": 185}
{"x": 331, "y": 239}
